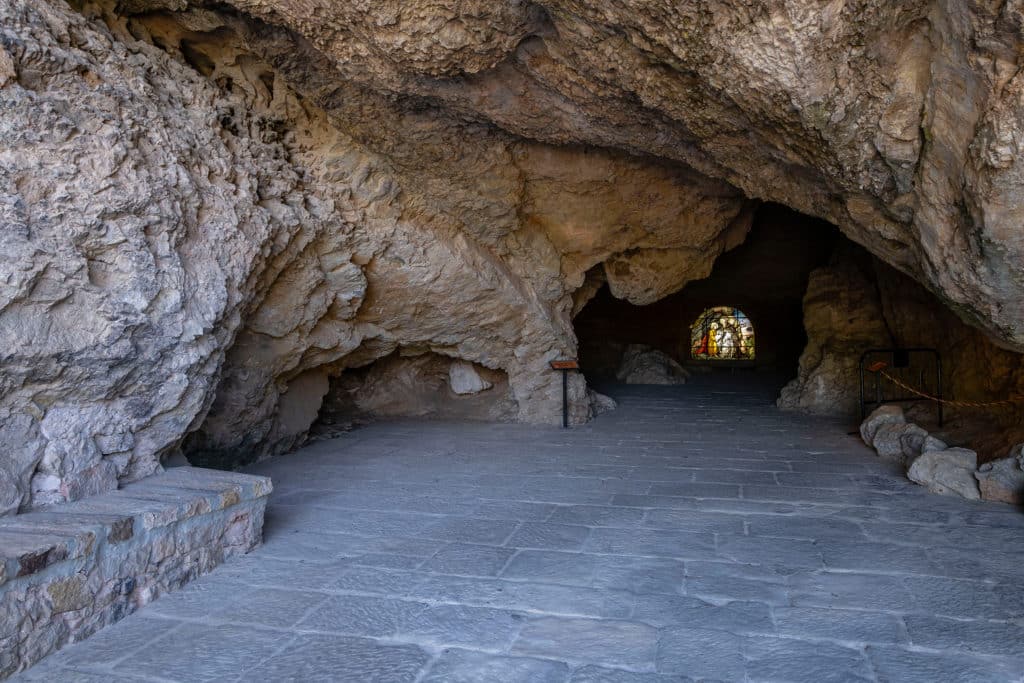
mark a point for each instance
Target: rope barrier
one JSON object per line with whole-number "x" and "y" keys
{"x": 879, "y": 368}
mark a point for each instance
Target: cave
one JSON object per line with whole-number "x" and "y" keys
{"x": 511, "y": 340}
{"x": 765, "y": 278}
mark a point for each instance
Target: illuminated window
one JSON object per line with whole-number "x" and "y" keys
{"x": 722, "y": 333}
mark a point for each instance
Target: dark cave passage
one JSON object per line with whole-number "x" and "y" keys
{"x": 765, "y": 279}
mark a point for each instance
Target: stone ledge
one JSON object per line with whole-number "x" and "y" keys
{"x": 69, "y": 570}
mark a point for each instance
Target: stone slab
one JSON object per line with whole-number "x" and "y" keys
{"x": 615, "y": 643}
{"x": 787, "y": 583}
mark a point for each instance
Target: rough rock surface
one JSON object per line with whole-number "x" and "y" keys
{"x": 210, "y": 211}
{"x": 419, "y": 385}
{"x": 899, "y": 442}
{"x": 132, "y": 224}
{"x": 644, "y": 365}
{"x": 1003, "y": 480}
{"x": 854, "y": 304}
{"x": 843, "y": 318}
{"x": 974, "y": 369}
{"x": 880, "y": 417}
{"x": 464, "y": 379}
{"x": 216, "y": 246}
{"x": 899, "y": 122}
{"x": 949, "y": 472}
{"x": 600, "y": 403}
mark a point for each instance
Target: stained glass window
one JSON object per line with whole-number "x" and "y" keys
{"x": 722, "y": 333}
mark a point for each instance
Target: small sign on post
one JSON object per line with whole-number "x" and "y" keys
{"x": 565, "y": 366}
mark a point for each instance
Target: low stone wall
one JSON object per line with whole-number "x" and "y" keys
{"x": 67, "y": 571}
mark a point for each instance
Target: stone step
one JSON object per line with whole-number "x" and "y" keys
{"x": 68, "y": 570}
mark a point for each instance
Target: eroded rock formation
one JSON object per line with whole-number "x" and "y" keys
{"x": 897, "y": 122}
{"x": 133, "y": 230}
{"x": 843, "y": 317}
{"x": 1003, "y": 479}
{"x": 208, "y": 211}
{"x": 856, "y": 303}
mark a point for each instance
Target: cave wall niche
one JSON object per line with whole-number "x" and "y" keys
{"x": 415, "y": 384}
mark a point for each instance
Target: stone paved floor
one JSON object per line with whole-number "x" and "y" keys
{"x": 691, "y": 534}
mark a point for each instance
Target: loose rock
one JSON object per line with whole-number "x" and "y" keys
{"x": 464, "y": 379}
{"x": 899, "y": 441}
{"x": 949, "y": 472}
{"x": 644, "y": 365}
{"x": 599, "y": 403}
{"x": 880, "y": 416}
{"x": 1003, "y": 480}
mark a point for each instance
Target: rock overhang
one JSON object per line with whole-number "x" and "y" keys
{"x": 445, "y": 176}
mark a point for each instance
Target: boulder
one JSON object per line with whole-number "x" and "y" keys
{"x": 644, "y": 365}
{"x": 882, "y": 415}
{"x": 464, "y": 379}
{"x": 1003, "y": 480}
{"x": 949, "y": 472}
{"x": 599, "y": 403}
{"x": 900, "y": 441}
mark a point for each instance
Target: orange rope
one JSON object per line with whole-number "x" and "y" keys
{"x": 968, "y": 404}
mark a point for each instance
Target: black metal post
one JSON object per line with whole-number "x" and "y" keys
{"x": 863, "y": 405}
{"x": 564, "y": 366}
{"x": 565, "y": 399}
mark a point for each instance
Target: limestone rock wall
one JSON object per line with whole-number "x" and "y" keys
{"x": 421, "y": 385}
{"x": 899, "y": 122}
{"x": 976, "y": 369}
{"x": 208, "y": 210}
{"x": 843, "y": 318}
{"x": 856, "y": 303}
{"x": 200, "y": 236}
{"x": 469, "y": 243}
{"x": 133, "y": 225}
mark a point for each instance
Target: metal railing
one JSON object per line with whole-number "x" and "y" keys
{"x": 901, "y": 371}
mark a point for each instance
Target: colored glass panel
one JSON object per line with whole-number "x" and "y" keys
{"x": 722, "y": 333}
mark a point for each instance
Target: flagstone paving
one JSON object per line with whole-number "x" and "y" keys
{"x": 693, "y": 534}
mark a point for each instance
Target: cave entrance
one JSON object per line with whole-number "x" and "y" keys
{"x": 743, "y": 325}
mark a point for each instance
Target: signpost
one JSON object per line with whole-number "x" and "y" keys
{"x": 565, "y": 366}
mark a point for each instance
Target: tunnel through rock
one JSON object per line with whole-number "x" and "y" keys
{"x": 816, "y": 301}
{"x": 765, "y": 278}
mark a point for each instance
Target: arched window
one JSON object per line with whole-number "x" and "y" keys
{"x": 722, "y": 333}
